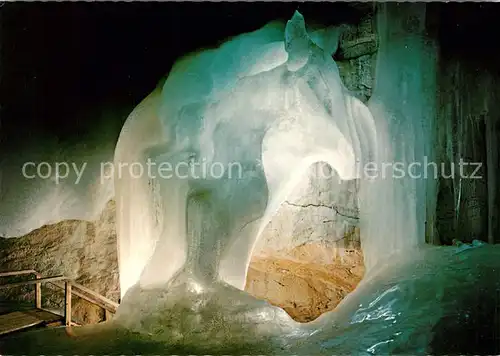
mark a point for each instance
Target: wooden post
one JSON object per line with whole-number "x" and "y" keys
{"x": 107, "y": 315}
{"x": 38, "y": 292}
{"x": 67, "y": 298}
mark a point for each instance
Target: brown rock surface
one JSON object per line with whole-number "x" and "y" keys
{"x": 310, "y": 281}
{"x": 358, "y": 40}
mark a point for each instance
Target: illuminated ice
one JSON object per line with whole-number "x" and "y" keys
{"x": 398, "y": 208}
{"x": 275, "y": 107}
{"x": 262, "y": 108}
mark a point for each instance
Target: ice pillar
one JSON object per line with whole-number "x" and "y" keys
{"x": 260, "y": 109}
{"x": 398, "y": 191}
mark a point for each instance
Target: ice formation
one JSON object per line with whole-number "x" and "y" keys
{"x": 398, "y": 207}
{"x": 262, "y": 108}
{"x": 275, "y": 106}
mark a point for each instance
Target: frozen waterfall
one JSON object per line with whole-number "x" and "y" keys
{"x": 399, "y": 203}
{"x": 262, "y": 108}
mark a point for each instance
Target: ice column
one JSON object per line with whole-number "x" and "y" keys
{"x": 260, "y": 109}
{"x": 397, "y": 201}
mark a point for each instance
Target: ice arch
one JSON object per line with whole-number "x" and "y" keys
{"x": 270, "y": 103}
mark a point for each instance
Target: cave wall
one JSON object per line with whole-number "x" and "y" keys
{"x": 468, "y": 122}
{"x": 465, "y": 113}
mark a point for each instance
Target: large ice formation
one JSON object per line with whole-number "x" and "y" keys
{"x": 261, "y": 108}
{"x": 275, "y": 107}
{"x": 403, "y": 107}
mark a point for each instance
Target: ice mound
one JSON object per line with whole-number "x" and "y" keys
{"x": 218, "y": 315}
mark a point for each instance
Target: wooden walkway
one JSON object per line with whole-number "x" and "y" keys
{"x": 23, "y": 319}
{"x": 20, "y": 320}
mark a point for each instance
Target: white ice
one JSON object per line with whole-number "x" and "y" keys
{"x": 269, "y": 103}
{"x": 273, "y": 102}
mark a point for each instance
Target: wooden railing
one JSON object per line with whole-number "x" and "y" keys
{"x": 70, "y": 288}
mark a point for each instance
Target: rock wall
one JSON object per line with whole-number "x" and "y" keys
{"x": 81, "y": 250}
{"x": 468, "y": 126}
{"x": 356, "y": 57}
{"x": 308, "y": 280}
{"x": 468, "y": 131}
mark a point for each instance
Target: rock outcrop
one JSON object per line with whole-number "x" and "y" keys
{"x": 81, "y": 250}
{"x": 307, "y": 280}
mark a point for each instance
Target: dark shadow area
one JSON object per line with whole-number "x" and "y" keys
{"x": 62, "y": 62}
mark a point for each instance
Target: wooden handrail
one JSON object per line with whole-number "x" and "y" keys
{"x": 34, "y": 281}
{"x": 67, "y": 303}
{"x": 69, "y": 287}
{"x": 109, "y": 306}
{"x": 17, "y": 273}
{"x": 38, "y": 290}
{"x": 96, "y": 295}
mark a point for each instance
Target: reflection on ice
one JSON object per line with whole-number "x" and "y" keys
{"x": 433, "y": 301}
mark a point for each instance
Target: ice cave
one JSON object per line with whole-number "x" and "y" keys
{"x": 249, "y": 178}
